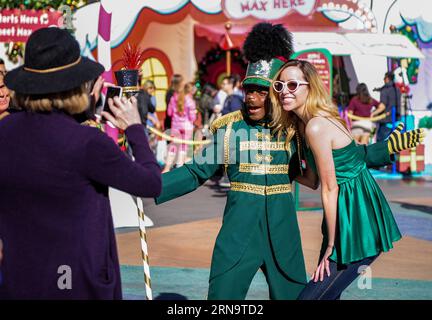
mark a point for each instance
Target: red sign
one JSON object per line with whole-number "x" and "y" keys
{"x": 17, "y": 25}
{"x": 322, "y": 61}
{"x": 265, "y": 9}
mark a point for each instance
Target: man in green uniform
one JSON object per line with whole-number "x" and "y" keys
{"x": 260, "y": 228}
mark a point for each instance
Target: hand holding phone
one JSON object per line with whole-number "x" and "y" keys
{"x": 112, "y": 91}
{"x": 126, "y": 112}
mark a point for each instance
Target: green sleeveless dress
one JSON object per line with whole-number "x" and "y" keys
{"x": 365, "y": 224}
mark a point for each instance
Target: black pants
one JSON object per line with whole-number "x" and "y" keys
{"x": 383, "y": 132}
{"x": 341, "y": 276}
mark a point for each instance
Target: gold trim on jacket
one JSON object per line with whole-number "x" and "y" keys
{"x": 263, "y": 145}
{"x": 260, "y": 189}
{"x": 264, "y": 168}
{"x": 224, "y": 120}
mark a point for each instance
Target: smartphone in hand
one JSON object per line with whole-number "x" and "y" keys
{"x": 112, "y": 92}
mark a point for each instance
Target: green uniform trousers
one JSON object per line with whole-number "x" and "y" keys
{"x": 234, "y": 284}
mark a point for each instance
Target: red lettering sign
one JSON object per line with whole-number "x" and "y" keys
{"x": 17, "y": 25}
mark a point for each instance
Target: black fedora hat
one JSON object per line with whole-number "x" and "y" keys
{"x": 52, "y": 63}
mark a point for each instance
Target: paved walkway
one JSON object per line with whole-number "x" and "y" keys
{"x": 185, "y": 229}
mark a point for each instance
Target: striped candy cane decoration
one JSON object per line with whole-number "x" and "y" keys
{"x": 144, "y": 248}
{"x": 104, "y": 38}
{"x": 104, "y": 50}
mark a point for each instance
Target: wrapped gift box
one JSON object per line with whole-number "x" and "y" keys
{"x": 411, "y": 160}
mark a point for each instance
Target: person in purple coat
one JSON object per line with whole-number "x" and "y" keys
{"x": 55, "y": 218}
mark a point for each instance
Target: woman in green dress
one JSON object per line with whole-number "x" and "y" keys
{"x": 358, "y": 223}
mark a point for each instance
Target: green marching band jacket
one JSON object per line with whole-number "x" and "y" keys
{"x": 261, "y": 168}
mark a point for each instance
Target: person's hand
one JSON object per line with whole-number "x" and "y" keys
{"x": 398, "y": 141}
{"x": 125, "y": 112}
{"x": 97, "y": 88}
{"x": 323, "y": 266}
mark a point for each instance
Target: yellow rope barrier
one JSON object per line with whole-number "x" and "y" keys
{"x": 176, "y": 140}
{"x": 373, "y": 119}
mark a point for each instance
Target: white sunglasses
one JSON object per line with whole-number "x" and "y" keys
{"x": 291, "y": 85}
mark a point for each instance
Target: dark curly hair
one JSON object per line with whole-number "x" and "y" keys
{"x": 267, "y": 41}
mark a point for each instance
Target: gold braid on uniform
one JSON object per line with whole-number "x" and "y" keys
{"x": 299, "y": 150}
{"x": 224, "y": 120}
{"x": 398, "y": 141}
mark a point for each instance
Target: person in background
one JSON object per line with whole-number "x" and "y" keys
{"x": 2, "y": 68}
{"x": 233, "y": 102}
{"x": 362, "y": 105}
{"x": 4, "y": 99}
{"x": 4, "y": 93}
{"x": 237, "y": 86}
{"x": 182, "y": 109}
{"x": 206, "y": 104}
{"x": 55, "y": 218}
{"x": 152, "y": 119}
{"x": 145, "y": 105}
{"x": 221, "y": 94}
{"x": 175, "y": 86}
{"x": 390, "y": 96}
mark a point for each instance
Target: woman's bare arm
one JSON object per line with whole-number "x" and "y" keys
{"x": 319, "y": 137}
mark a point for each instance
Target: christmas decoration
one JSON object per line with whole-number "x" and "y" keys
{"x": 412, "y": 67}
{"x": 411, "y": 160}
{"x": 132, "y": 60}
{"x": 15, "y": 50}
{"x": 41, "y": 4}
{"x": 214, "y": 56}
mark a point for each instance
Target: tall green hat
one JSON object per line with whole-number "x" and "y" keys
{"x": 267, "y": 48}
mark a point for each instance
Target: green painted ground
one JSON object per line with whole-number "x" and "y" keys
{"x": 192, "y": 284}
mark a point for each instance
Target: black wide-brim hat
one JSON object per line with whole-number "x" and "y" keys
{"x": 52, "y": 63}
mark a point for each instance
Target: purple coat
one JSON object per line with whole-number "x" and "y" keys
{"x": 54, "y": 206}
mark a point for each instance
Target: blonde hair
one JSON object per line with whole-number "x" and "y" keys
{"x": 187, "y": 89}
{"x": 73, "y": 101}
{"x": 318, "y": 101}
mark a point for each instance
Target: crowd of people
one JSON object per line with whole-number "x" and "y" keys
{"x": 55, "y": 172}
{"x": 188, "y": 115}
{"x": 367, "y": 108}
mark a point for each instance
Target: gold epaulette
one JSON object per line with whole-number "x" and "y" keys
{"x": 224, "y": 120}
